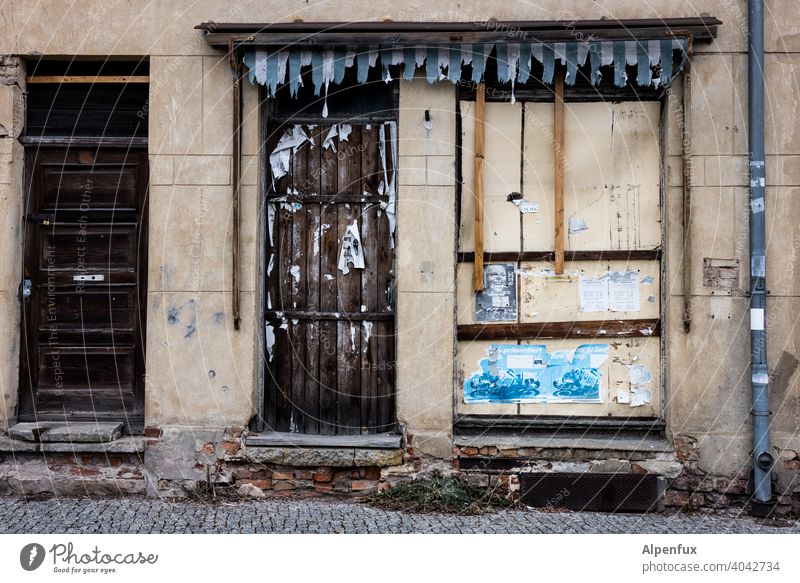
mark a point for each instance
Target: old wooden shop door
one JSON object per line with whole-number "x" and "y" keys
{"x": 84, "y": 255}
{"x": 330, "y": 301}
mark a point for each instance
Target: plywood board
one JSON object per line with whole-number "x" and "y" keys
{"x": 633, "y": 359}
{"x": 547, "y": 298}
{"x": 537, "y": 176}
{"x": 612, "y": 175}
{"x": 501, "y": 176}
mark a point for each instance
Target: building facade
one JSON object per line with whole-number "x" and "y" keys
{"x": 503, "y": 240}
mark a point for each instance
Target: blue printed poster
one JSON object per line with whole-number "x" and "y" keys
{"x": 527, "y": 373}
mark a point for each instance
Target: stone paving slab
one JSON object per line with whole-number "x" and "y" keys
{"x": 66, "y": 432}
{"x": 273, "y": 515}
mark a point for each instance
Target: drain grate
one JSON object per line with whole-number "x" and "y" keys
{"x": 594, "y": 492}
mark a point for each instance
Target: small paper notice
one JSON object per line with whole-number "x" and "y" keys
{"x": 593, "y": 294}
{"x": 624, "y": 291}
{"x": 623, "y": 396}
{"x": 351, "y": 250}
{"x": 617, "y": 291}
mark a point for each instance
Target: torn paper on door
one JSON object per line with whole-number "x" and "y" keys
{"x": 351, "y": 250}
{"x": 280, "y": 158}
{"x": 341, "y": 131}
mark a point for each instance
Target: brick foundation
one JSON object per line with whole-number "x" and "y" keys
{"x": 65, "y": 474}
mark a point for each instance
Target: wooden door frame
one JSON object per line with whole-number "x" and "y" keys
{"x": 134, "y": 423}
{"x": 258, "y": 420}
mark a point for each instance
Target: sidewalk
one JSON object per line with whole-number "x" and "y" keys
{"x": 144, "y": 515}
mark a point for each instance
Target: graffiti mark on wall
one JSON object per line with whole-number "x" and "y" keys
{"x": 527, "y": 373}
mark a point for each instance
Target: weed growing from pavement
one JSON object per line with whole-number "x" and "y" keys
{"x": 438, "y": 493}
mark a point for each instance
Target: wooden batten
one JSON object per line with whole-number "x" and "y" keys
{"x": 480, "y": 119}
{"x": 558, "y": 146}
{"x": 92, "y": 79}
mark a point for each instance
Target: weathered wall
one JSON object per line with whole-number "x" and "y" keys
{"x": 425, "y": 265}
{"x": 189, "y": 325}
{"x": 12, "y": 84}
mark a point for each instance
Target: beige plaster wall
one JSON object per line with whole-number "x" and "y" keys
{"x": 11, "y": 234}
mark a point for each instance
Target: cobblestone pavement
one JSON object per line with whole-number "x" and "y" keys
{"x": 142, "y": 515}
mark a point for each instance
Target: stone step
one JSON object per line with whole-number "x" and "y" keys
{"x": 55, "y": 431}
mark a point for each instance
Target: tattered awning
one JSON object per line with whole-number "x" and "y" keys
{"x": 277, "y": 53}
{"x": 653, "y": 59}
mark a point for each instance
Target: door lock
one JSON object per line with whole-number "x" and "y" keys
{"x": 93, "y": 277}
{"x": 26, "y": 289}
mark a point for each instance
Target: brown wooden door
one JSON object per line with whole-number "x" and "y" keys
{"x": 330, "y": 334}
{"x": 85, "y": 274}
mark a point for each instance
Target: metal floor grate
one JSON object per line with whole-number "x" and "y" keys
{"x": 594, "y": 492}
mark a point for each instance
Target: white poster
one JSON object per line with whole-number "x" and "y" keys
{"x": 617, "y": 291}
{"x": 593, "y": 294}
{"x": 624, "y": 291}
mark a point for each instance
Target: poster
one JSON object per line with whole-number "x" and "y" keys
{"x": 527, "y": 373}
{"x": 617, "y": 291}
{"x": 351, "y": 251}
{"x": 624, "y": 291}
{"x": 497, "y": 301}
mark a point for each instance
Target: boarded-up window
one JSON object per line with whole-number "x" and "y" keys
{"x": 613, "y": 238}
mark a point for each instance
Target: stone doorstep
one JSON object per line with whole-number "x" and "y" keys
{"x": 321, "y": 456}
{"x": 129, "y": 444}
{"x": 54, "y": 431}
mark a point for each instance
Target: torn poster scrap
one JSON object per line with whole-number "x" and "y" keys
{"x": 497, "y": 301}
{"x": 577, "y": 225}
{"x": 527, "y": 373}
{"x": 617, "y": 291}
{"x": 351, "y": 250}
{"x": 524, "y": 206}
{"x": 341, "y": 131}
{"x": 280, "y": 158}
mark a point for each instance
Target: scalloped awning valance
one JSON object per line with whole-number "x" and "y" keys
{"x": 656, "y": 62}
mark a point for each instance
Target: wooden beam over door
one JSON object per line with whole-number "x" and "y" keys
{"x": 480, "y": 118}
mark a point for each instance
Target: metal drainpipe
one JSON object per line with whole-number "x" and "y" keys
{"x": 762, "y": 457}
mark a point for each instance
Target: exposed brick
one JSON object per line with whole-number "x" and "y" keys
{"x": 469, "y": 451}
{"x": 488, "y": 450}
{"x": 231, "y": 447}
{"x": 364, "y": 485}
{"x": 82, "y": 471}
{"x": 356, "y": 474}
{"x": 792, "y": 465}
{"x": 637, "y": 469}
{"x": 208, "y": 449}
{"x": 323, "y": 487}
{"x": 152, "y": 432}
{"x": 304, "y": 474}
{"x": 322, "y": 477}
{"x": 283, "y": 485}
{"x": 115, "y": 461}
{"x": 282, "y": 474}
{"x": 508, "y": 452}
{"x": 372, "y": 473}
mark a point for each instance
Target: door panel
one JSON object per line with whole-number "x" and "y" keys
{"x": 85, "y": 260}
{"x": 331, "y": 366}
